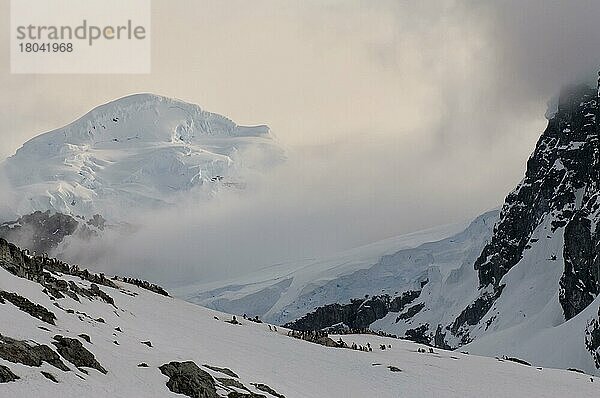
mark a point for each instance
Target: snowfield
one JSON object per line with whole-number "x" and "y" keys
{"x": 181, "y": 331}
{"x": 283, "y": 292}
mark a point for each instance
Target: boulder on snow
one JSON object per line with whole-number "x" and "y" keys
{"x": 188, "y": 379}
{"x": 73, "y": 351}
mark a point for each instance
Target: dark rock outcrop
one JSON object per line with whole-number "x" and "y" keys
{"x": 474, "y": 313}
{"x": 409, "y": 313}
{"x": 73, "y": 351}
{"x": 25, "y": 305}
{"x": 18, "y": 351}
{"x": 358, "y": 314}
{"x": 188, "y": 379}
{"x": 419, "y": 334}
{"x": 439, "y": 340}
{"x": 49, "y": 376}
{"x": 6, "y": 375}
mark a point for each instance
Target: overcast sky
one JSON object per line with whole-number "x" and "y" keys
{"x": 397, "y": 115}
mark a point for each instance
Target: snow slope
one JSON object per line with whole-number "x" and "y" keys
{"x": 180, "y": 331}
{"x": 138, "y": 152}
{"x": 284, "y": 292}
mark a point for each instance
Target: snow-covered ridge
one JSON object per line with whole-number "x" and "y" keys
{"x": 140, "y": 151}
{"x": 66, "y": 333}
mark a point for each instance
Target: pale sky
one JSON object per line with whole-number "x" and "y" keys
{"x": 397, "y": 115}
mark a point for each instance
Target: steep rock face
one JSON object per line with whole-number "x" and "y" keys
{"x": 579, "y": 283}
{"x": 560, "y": 185}
{"x": 358, "y": 314}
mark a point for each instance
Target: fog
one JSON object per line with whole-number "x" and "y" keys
{"x": 396, "y": 116}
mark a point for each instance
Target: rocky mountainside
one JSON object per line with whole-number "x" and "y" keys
{"x": 529, "y": 283}
{"x": 66, "y": 332}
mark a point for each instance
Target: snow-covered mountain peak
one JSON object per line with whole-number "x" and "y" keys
{"x": 138, "y": 151}
{"x": 143, "y": 118}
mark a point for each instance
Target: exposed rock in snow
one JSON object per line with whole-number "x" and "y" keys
{"x": 6, "y": 375}
{"x": 73, "y": 351}
{"x": 188, "y": 379}
{"x": 18, "y": 351}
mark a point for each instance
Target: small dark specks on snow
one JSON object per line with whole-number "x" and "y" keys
{"x": 143, "y": 365}
{"x": 148, "y": 343}
{"x": 100, "y": 320}
{"x": 394, "y": 369}
{"x": 375, "y": 364}
{"x": 118, "y": 329}
{"x": 43, "y": 328}
{"x": 116, "y": 342}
